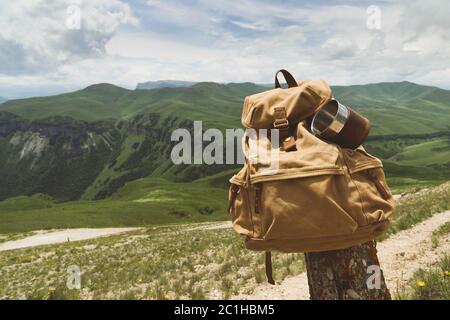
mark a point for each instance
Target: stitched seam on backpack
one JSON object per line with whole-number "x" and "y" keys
{"x": 356, "y": 185}
{"x": 360, "y": 199}
{"x": 249, "y": 208}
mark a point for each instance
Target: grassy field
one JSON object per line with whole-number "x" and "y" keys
{"x": 168, "y": 262}
{"x": 436, "y": 151}
{"x": 416, "y": 207}
{"x": 142, "y": 202}
{"x": 430, "y": 284}
{"x": 413, "y": 162}
{"x": 398, "y": 108}
{"x": 155, "y": 263}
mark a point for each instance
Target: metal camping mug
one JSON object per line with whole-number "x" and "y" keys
{"x": 339, "y": 124}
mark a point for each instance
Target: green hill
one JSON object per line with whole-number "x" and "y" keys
{"x": 97, "y": 102}
{"x": 91, "y": 142}
{"x": 140, "y": 202}
{"x": 399, "y": 108}
{"x": 436, "y": 151}
{"x": 394, "y": 108}
{"x": 105, "y": 102}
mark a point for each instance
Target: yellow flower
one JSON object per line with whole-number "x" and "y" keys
{"x": 447, "y": 273}
{"x": 420, "y": 283}
{"x": 166, "y": 296}
{"x": 51, "y": 289}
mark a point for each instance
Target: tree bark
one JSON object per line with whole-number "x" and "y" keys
{"x": 349, "y": 274}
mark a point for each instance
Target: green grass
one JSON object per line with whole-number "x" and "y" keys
{"x": 430, "y": 284}
{"x": 437, "y": 234}
{"x": 399, "y": 185}
{"x": 23, "y": 203}
{"x": 426, "y": 153}
{"x": 415, "y": 208}
{"x": 112, "y": 171}
{"x": 15, "y": 236}
{"x": 398, "y": 108}
{"x": 413, "y": 161}
{"x": 155, "y": 263}
{"x": 403, "y": 178}
{"x": 140, "y": 203}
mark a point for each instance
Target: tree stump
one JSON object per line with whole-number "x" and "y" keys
{"x": 349, "y": 274}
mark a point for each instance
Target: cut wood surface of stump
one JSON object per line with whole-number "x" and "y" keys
{"x": 348, "y": 274}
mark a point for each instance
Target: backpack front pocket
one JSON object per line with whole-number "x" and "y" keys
{"x": 370, "y": 190}
{"x": 303, "y": 207}
{"x": 241, "y": 204}
{"x": 240, "y": 209}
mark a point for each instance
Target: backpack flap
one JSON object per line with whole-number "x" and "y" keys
{"x": 299, "y": 103}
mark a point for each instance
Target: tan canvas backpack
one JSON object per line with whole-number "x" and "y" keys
{"x": 320, "y": 197}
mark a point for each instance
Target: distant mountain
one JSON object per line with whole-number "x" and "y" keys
{"x": 102, "y": 102}
{"x": 393, "y": 108}
{"x": 89, "y": 143}
{"x": 2, "y": 100}
{"x": 399, "y": 107}
{"x": 164, "y": 84}
{"x": 92, "y": 103}
{"x": 394, "y": 93}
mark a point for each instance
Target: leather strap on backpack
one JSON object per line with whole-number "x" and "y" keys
{"x": 269, "y": 267}
{"x": 287, "y": 141}
{"x": 290, "y": 80}
{"x": 281, "y": 122}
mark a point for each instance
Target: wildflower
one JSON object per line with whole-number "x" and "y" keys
{"x": 52, "y": 289}
{"x": 420, "y": 283}
{"x": 447, "y": 273}
{"x": 166, "y": 296}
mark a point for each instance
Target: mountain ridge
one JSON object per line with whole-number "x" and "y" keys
{"x": 159, "y": 84}
{"x": 262, "y": 85}
{"x": 382, "y": 102}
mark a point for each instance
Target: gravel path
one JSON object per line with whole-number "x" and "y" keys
{"x": 61, "y": 236}
{"x": 52, "y": 237}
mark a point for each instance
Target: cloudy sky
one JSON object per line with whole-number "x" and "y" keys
{"x": 50, "y": 46}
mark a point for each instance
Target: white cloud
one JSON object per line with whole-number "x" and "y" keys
{"x": 226, "y": 41}
{"x": 35, "y": 38}
{"x": 251, "y": 26}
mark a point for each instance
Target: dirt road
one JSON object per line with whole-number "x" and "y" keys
{"x": 61, "y": 236}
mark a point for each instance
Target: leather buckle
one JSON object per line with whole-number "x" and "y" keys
{"x": 283, "y": 123}
{"x": 289, "y": 144}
